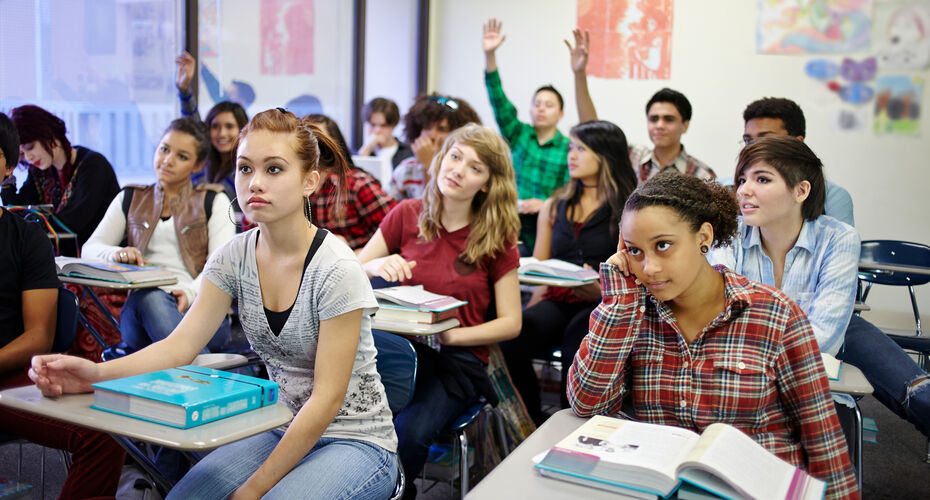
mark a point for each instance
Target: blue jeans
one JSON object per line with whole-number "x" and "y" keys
{"x": 431, "y": 411}
{"x": 151, "y": 314}
{"x": 334, "y": 468}
{"x": 891, "y": 372}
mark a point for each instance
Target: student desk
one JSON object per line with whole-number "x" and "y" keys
{"x": 428, "y": 332}
{"x": 516, "y": 477}
{"x": 88, "y": 283}
{"x": 75, "y": 409}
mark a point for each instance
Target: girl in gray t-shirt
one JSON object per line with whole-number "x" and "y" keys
{"x": 305, "y": 306}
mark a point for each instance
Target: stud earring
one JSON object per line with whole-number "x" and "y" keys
{"x": 704, "y": 249}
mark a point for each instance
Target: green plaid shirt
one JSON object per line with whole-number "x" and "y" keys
{"x": 540, "y": 168}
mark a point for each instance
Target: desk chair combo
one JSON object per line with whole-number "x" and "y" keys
{"x": 65, "y": 330}
{"x": 899, "y": 263}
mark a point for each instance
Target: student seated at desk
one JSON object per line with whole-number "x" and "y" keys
{"x": 28, "y": 300}
{"x": 75, "y": 181}
{"x": 166, "y": 224}
{"x": 426, "y": 126}
{"x": 578, "y": 225}
{"x": 306, "y": 306}
{"x": 381, "y": 116}
{"x": 459, "y": 240}
{"x": 224, "y": 121}
{"x": 366, "y": 204}
{"x": 690, "y": 344}
{"x": 785, "y": 242}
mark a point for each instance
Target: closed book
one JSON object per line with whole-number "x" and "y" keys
{"x": 415, "y": 297}
{"x": 184, "y": 397}
{"x": 393, "y": 312}
{"x": 111, "y": 271}
{"x": 650, "y": 461}
{"x": 555, "y": 268}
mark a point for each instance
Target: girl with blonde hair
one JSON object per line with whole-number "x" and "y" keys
{"x": 458, "y": 240}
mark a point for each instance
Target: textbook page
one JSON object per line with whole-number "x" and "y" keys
{"x": 745, "y": 464}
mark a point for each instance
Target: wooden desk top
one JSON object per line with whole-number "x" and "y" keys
{"x": 75, "y": 409}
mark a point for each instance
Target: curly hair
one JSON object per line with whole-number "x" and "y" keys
{"x": 432, "y": 109}
{"x": 495, "y": 222}
{"x": 696, "y": 202}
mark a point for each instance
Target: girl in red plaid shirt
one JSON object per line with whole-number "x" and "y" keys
{"x": 687, "y": 344}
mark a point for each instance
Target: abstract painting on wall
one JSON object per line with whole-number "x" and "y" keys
{"x": 813, "y": 26}
{"x": 287, "y": 37}
{"x": 897, "y": 105}
{"x": 630, "y": 39}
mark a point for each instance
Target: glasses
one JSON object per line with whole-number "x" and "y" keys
{"x": 445, "y": 101}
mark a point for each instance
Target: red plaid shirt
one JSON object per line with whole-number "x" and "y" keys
{"x": 365, "y": 208}
{"x": 756, "y": 367}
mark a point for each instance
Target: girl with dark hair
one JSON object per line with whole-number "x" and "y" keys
{"x": 426, "y": 125}
{"x": 224, "y": 121}
{"x": 579, "y": 224}
{"x": 74, "y": 180}
{"x": 785, "y": 241}
{"x": 689, "y": 345}
{"x": 366, "y": 204}
{"x": 458, "y": 240}
{"x": 305, "y": 305}
{"x": 166, "y": 224}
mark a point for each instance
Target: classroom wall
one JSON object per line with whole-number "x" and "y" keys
{"x": 714, "y": 62}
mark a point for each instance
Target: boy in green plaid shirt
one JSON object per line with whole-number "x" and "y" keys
{"x": 539, "y": 150}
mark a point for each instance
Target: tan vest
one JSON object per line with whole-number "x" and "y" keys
{"x": 190, "y": 220}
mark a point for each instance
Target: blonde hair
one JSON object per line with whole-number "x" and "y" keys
{"x": 495, "y": 221}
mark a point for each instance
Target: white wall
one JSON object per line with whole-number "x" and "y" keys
{"x": 390, "y": 52}
{"x": 714, "y": 62}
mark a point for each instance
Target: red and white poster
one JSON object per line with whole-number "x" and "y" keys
{"x": 287, "y": 37}
{"x": 630, "y": 39}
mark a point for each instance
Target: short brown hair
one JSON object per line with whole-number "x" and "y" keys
{"x": 432, "y": 109}
{"x": 386, "y": 107}
{"x": 794, "y": 161}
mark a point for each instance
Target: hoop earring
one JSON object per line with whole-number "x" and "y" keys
{"x": 308, "y": 212}
{"x": 229, "y": 212}
{"x": 704, "y": 249}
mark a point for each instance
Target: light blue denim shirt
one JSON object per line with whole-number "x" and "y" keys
{"x": 820, "y": 273}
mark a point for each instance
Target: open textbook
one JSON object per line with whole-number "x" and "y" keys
{"x": 650, "y": 461}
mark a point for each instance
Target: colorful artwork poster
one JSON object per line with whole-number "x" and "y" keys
{"x": 286, "y": 37}
{"x": 630, "y": 39}
{"x": 813, "y": 26}
{"x": 208, "y": 27}
{"x": 902, "y": 35}
{"x": 897, "y": 105}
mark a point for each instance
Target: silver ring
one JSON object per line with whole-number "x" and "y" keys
{"x": 122, "y": 255}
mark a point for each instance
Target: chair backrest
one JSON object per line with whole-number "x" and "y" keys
{"x": 66, "y": 328}
{"x": 397, "y": 365}
{"x": 895, "y": 252}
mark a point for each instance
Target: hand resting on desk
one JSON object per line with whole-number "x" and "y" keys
{"x": 57, "y": 374}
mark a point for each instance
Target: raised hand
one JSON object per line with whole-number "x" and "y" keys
{"x": 187, "y": 65}
{"x": 492, "y": 38}
{"x": 579, "y": 53}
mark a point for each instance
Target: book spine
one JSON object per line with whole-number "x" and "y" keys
{"x": 223, "y": 406}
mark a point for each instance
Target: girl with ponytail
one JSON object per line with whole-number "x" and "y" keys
{"x": 305, "y": 305}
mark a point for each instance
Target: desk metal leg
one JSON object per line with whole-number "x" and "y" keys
{"x": 93, "y": 331}
{"x": 103, "y": 308}
{"x": 859, "y": 444}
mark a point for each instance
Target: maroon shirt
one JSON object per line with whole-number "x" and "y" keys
{"x": 440, "y": 267}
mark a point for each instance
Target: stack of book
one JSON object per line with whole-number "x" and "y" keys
{"x": 111, "y": 271}
{"x": 184, "y": 397}
{"x": 416, "y": 305}
{"x": 555, "y": 269}
{"x": 648, "y": 461}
